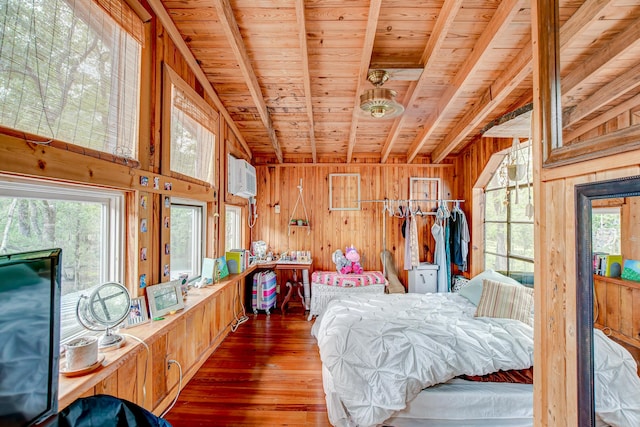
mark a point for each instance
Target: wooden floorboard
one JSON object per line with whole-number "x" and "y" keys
{"x": 267, "y": 373}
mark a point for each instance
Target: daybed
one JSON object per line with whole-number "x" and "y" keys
{"x": 395, "y": 360}
{"x": 327, "y": 285}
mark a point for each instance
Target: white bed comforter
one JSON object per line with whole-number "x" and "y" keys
{"x": 382, "y": 350}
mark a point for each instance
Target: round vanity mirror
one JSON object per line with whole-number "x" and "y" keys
{"x": 107, "y": 307}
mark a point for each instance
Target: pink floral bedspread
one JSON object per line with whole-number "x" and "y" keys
{"x": 334, "y": 278}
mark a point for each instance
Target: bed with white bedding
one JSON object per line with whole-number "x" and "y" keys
{"x": 394, "y": 359}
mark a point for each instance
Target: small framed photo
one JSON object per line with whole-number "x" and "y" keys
{"x": 165, "y": 298}
{"x": 138, "y": 312}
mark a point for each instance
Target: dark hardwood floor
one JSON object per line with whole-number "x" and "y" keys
{"x": 267, "y": 373}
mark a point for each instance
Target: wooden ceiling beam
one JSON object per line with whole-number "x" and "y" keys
{"x": 621, "y": 85}
{"x": 572, "y": 134}
{"x": 365, "y": 59}
{"x": 506, "y": 11}
{"x": 511, "y": 77}
{"x": 302, "y": 31}
{"x": 438, "y": 35}
{"x": 621, "y": 43}
{"x": 514, "y": 74}
{"x": 172, "y": 30}
{"x": 227, "y": 21}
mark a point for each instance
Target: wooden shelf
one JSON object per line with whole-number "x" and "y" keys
{"x": 123, "y": 362}
{"x": 617, "y": 281}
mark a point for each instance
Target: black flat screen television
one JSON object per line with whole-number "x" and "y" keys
{"x": 29, "y": 337}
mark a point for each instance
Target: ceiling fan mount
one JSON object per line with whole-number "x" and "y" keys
{"x": 380, "y": 103}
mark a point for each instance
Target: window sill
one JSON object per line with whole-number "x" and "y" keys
{"x": 71, "y": 388}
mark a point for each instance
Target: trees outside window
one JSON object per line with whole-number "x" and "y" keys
{"x": 70, "y": 72}
{"x": 605, "y": 224}
{"x": 86, "y": 223}
{"x": 187, "y": 237}
{"x": 233, "y": 227}
{"x": 508, "y": 223}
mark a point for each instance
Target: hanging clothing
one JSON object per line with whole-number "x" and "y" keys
{"x": 413, "y": 241}
{"x": 465, "y": 239}
{"x": 440, "y": 255}
{"x": 447, "y": 251}
{"x": 459, "y": 239}
{"x": 407, "y": 240}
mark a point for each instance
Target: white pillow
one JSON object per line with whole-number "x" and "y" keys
{"x": 473, "y": 290}
{"x": 506, "y": 301}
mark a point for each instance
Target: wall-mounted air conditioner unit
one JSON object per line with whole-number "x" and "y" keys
{"x": 241, "y": 178}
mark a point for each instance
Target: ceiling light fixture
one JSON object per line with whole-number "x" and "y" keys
{"x": 380, "y": 103}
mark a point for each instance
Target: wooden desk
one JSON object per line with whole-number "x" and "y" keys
{"x": 304, "y": 291}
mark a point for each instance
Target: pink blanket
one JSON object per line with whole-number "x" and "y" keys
{"x": 334, "y": 278}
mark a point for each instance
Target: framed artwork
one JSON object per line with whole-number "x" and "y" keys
{"x": 344, "y": 191}
{"x": 138, "y": 312}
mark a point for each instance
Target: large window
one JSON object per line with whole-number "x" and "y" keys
{"x": 193, "y": 127}
{"x": 69, "y": 71}
{"x": 508, "y": 225}
{"x": 187, "y": 237}
{"x": 86, "y": 223}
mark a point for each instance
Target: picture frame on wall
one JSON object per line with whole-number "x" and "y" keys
{"x": 344, "y": 192}
{"x": 138, "y": 313}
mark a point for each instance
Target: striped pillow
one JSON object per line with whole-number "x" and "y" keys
{"x": 505, "y": 301}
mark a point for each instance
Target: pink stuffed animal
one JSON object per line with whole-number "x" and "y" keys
{"x": 353, "y": 257}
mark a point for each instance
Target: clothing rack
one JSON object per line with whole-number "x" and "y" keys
{"x": 399, "y": 202}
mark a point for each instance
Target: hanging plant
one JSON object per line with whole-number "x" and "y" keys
{"x": 516, "y": 168}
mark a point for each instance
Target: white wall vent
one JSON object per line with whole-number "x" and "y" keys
{"x": 241, "y": 178}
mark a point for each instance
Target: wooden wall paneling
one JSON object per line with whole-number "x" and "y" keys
{"x": 157, "y": 374}
{"x": 127, "y": 385}
{"x": 211, "y": 315}
{"x": 176, "y": 349}
{"x": 159, "y": 48}
{"x": 635, "y": 316}
{"x": 332, "y": 230}
{"x": 108, "y": 385}
{"x": 153, "y": 237}
{"x": 144, "y": 253}
{"x": 148, "y": 96}
{"x": 626, "y": 311}
{"x": 206, "y": 326}
{"x": 476, "y": 228}
{"x": 613, "y": 306}
{"x": 192, "y": 320}
{"x": 143, "y": 379}
{"x": 228, "y": 293}
{"x": 133, "y": 210}
{"x": 631, "y": 226}
{"x": 552, "y": 299}
{"x": 600, "y": 288}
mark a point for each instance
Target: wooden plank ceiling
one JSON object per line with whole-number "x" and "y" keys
{"x": 290, "y": 72}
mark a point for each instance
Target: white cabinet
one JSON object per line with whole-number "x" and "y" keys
{"x": 423, "y": 278}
